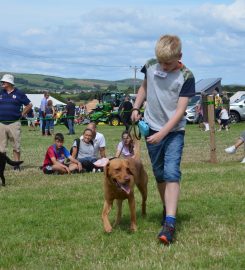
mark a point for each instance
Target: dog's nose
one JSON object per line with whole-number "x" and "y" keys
{"x": 127, "y": 178}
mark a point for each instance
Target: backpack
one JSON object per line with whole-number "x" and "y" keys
{"x": 77, "y": 140}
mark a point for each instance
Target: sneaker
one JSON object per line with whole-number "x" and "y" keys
{"x": 166, "y": 234}
{"x": 243, "y": 161}
{"x": 231, "y": 150}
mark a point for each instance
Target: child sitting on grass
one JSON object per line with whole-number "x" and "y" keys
{"x": 55, "y": 158}
{"x": 126, "y": 146}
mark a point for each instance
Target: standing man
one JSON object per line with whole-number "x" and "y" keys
{"x": 70, "y": 114}
{"x": 126, "y": 108}
{"x": 11, "y": 102}
{"x": 43, "y": 106}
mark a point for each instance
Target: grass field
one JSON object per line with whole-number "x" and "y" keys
{"x": 53, "y": 222}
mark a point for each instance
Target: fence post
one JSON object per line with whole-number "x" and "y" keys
{"x": 211, "y": 121}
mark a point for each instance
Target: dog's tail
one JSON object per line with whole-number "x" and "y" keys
{"x": 12, "y": 162}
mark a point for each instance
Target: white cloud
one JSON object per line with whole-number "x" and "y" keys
{"x": 212, "y": 35}
{"x": 33, "y": 32}
{"x": 232, "y": 15}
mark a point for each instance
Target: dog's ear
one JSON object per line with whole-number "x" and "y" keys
{"x": 129, "y": 167}
{"x": 106, "y": 169}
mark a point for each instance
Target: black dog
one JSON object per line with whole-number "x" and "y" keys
{"x": 3, "y": 160}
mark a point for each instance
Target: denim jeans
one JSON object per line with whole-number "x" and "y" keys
{"x": 71, "y": 125}
{"x": 166, "y": 156}
{"x": 49, "y": 125}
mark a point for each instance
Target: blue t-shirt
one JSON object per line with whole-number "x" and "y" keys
{"x": 10, "y": 105}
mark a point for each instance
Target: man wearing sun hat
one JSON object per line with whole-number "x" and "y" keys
{"x": 11, "y": 102}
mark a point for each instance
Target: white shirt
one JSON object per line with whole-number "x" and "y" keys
{"x": 224, "y": 114}
{"x": 43, "y": 105}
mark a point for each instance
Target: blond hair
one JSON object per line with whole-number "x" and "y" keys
{"x": 168, "y": 48}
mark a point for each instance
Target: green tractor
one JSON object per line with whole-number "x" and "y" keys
{"x": 107, "y": 111}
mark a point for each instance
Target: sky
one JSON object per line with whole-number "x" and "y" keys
{"x": 111, "y": 39}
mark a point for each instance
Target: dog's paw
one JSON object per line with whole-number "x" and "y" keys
{"x": 133, "y": 228}
{"x": 108, "y": 230}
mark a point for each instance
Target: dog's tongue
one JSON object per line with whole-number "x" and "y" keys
{"x": 124, "y": 187}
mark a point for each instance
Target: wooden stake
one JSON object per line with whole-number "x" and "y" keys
{"x": 211, "y": 121}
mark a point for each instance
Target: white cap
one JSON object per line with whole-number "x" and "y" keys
{"x": 8, "y": 78}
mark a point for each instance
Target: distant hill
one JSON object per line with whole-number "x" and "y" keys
{"x": 34, "y": 83}
{"x": 38, "y": 82}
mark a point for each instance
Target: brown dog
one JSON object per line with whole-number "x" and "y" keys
{"x": 120, "y": 177}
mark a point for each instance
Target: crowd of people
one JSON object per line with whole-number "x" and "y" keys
{"x": 87, "y": 153}
{"x": 47, "y": 114}
{"x": 16, "y": 106}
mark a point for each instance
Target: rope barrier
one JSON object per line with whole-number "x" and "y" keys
{"x": 62, "y": 117}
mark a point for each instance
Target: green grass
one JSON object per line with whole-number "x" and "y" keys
{"x": 53, "y": 222}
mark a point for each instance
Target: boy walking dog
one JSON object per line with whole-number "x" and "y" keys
{"x": 167, "y": 87}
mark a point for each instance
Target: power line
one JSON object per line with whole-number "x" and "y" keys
{"x": 46, "y": 58}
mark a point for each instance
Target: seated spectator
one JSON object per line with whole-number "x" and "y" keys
{"x": 232, "y": 149}
{"x": 98, "y": 140}
{"x": 55, "y": 158}
{"x": 125, "y": 148}
{"x": 83, "y": 150}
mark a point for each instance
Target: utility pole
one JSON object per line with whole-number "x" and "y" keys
{"x": 135, "y": 68}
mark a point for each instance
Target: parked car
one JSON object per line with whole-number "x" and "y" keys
{"x": 237, "y": 110}
{"x": 191, "y": 114}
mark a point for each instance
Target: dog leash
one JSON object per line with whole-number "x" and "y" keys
{"x": 137, "y": 136}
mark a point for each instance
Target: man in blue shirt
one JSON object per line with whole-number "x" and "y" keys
{"x": 11, "y": 102}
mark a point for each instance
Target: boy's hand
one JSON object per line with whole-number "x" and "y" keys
{"x": 135, "y": 115}
{"x": 155, "y": 138}
{"x": 67, "y": 169}
{"x": 79, "y": 166}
